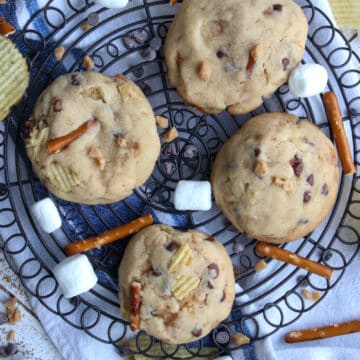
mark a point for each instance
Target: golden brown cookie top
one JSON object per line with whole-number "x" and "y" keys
{"x": 276, "y": 178}
{"x": 186, "y": 278}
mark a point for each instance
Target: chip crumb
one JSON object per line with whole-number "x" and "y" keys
{"x": 88, "y": 64}
{"x": 170, "y": 135}
{"x": 11, "y": 336}
{"x": 260, "y": 266}
{"x": 59, "y": 53}
{"x": 162, "y": 122}
{"x": 240, "y": 339}
{"x": 86, "y": 26}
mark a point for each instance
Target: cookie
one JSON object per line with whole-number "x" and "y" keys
{"x": 231, "y": 54}
{"x": 186, "y": 280}
{"x": 114, "y": 143}
{"x": 277, "y": 178}
{"x": 14, "y": 76}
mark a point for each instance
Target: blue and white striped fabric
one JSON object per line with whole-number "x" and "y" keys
{"x": 74, "y": 344}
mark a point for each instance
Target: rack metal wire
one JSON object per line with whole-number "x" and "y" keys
{"x": 266, "y": 302}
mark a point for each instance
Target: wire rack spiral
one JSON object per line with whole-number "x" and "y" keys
{"x": 270, "y": 300}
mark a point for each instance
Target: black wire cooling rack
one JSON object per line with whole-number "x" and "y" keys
{"x": 265, "y": 302}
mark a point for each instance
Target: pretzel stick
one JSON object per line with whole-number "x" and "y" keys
{"x": 5, "y": 27}
{"x": 294, "y": 259}
{"x": 323, "y": 332}
{"x": 61, "y": 142}
{"x": 173, "y": 2}
{"x": 337, "y": 127}
{"x": 110, "y": 236}
{"x": 135, "y": 304}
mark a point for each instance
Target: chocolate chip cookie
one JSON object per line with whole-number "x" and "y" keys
{"x": 231, "y": 54}
{"x": 185, "y": 282}
{"x": 277, "y": 178}
{"x": 113, "y": 142}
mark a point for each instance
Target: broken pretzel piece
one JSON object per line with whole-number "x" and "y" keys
{"x": 135, "y": 304}
{"x": 323, "y": 332}
{"x": 294, "y": 259}
{"x": 110, "y": 236}
{"x": 337, "y": 127}
{"x": 6, "y": 28}
{"x": 61, "y": 142}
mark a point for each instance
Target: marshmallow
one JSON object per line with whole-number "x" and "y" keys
{"x": 112, "y": 4}
{"x": 308, "y": 80}
{"x": 224, "y": 358}
{"x": 75, "y": 275}
{"x": 238, "y": 289}
{"x": 192, "y": 195}
{"x": 46, "y": 215}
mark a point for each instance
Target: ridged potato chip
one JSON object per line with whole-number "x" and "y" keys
{"x": 184, "y": 285}
{"x": 182, "y": 257}
{"x": 63, "y": 177}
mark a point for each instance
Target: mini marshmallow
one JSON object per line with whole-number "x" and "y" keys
{"x": 46, "y": 215}
{"x": 75, "y": 275}
{"x": 308, "y": 80}
{"x": 112, "y": 4}
{"x": 192, "y": 195}
{"x": 226, "y": 357}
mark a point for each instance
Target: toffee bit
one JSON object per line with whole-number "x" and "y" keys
{"x": 59, "y": 53}
{"x": 170, "y": 135}
{"x": 88, "y": 64}
{"x": 260, "y": 266}
{"x": 162, "y": 122}
{"x": 11, "y": 336}
{"x": 239, "y": 339}
{"x": 86, "y": 26}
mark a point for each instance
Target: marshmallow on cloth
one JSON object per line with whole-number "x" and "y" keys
{"x": 226, "y": 357}
{"x": 308, "y": 80}
{"x": 112, "y": 4}
{"x": 75, "y": 275}
{"x": 46, "y": 215}
{"x": 192, "y": 195}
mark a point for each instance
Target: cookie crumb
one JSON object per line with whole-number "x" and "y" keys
{"x": 240, "y": 339}
{"x": 312, "y": 296}
{"x": 11, "y": 336}
{"x": 86, "y": 26}
{"x": 260, "y": 266}
{"x": 162, "y": 122}
{"x": 204, "y": 71}
{"x": 88, "y": 64}
{"x": 170, "y": 135}
{"x": 59, "y": 53}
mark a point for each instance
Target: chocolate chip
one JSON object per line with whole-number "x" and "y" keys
{"x": 327, "y": 255}
{"x": 222, "y": 337}
{"x": 277, "y": 7}
{"x": 297, "y": 165}
{"x": 210, "y": 285}
{"x": 138, "y": 72}
{"x": 168, "y": 167}
{"x": 139, "y": 36}
{"x": 128, "y": 42}
{"x": 257, "y": 152}
{"x": 156, "y": 272}
{"x": 223, "y": 297}
{"x": 148, "y": 54}
{"x": 307, "y": 196}
{"x": 172, "y": 246}
{"x": 155, "y": 43}
{"x": 325, "y": 190}
{"x": 210, "y": 238}
{"x": 303, "y": 221}
{"x": 196, "y": 331}
{"x": 93, "y": 19}
{"x": 75, "y": 80}
{"x": 190, "y": 151}
{"x": 3, "y": 319}
{"x": 170, "y": 150}
{"x": 221, "y": 53}
{"x": 303, "y": 281}
{"x": 213, "y": 270}
{"x": 56, "y": 104}
{"x": 285, "y": 63}
{"x": 310, "y": 179}
{"x": 146, "y": 89}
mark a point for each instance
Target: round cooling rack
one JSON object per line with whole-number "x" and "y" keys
{"x": 265, "y": 301}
